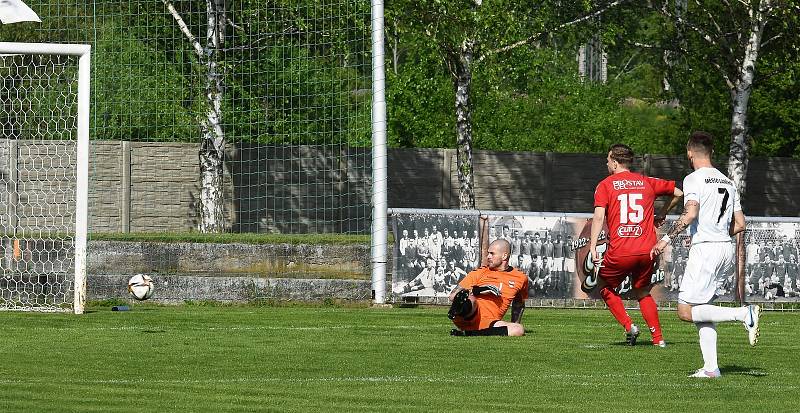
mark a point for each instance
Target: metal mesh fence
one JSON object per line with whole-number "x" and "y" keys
{"x": 265, "y": 102}
{"x": 233, "y": 116}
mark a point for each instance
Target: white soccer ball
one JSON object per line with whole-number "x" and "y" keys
{"x": 141, "y": 287}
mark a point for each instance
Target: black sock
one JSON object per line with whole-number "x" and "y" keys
{"x": 491, "y": 331}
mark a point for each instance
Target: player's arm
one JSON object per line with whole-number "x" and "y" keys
{"x": 737, "y": 223}
{"x": 597, "y": 225}
{"x": 465, "y": 284}
{"x": 454, "y": 292}
{"x": 517, "y": 308}
{"x": 677, "y": 194}
{"x": 690, "y": 212}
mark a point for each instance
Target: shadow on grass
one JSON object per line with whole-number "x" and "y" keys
{"x": 639, "y": 343}
{"x": 649, "y": 343}
{"x": 742, "y": 371}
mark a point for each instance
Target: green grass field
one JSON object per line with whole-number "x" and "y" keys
{"x": 256, "y": 358}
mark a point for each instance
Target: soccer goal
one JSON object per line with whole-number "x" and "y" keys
{"x": 44, "y": 150}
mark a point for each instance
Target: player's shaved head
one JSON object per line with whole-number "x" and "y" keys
{"x": 497, "y": 255}
{"x": 501, "y": 246}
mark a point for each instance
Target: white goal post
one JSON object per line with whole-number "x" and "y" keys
{"x": 44, "y": 165}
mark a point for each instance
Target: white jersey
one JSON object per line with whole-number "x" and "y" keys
{"x": 718, "y": 200}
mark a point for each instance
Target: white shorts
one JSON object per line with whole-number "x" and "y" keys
{"x": 558, "y": 264}
{"x": 709, "y": 264}
{"x": 569, "y": 264}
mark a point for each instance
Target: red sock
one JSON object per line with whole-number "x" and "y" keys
{"x": 614, "y": 303}
{"x": 650, "y": 313}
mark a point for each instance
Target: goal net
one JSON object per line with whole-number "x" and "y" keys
{"x": 43, "y": 176}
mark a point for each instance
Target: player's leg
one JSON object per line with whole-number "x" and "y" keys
{"x": 610, "y": 277}
{"x": 708, "y": 347}
{"x": 475, "y": 326}
{"x": 697, "y": 287}
{"x": 708, "y": 265}
{"x": 615, "y": 306}
{"x": 647, "y": 305}
{"x": 469, "y": 319}
{"x": 463, "y": 306}
{"x": 513, "y": 329}
{"x": 707, "y": 334}
{"x": 649, "y": 309}
{"x": 707, "y": 313}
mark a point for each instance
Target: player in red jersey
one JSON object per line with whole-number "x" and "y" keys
{"x": 625, "y": 200}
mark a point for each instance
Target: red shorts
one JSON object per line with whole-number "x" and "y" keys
{"x": 615, "y": 269}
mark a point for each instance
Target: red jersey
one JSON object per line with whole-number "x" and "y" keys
{"x": 628, "y": 198}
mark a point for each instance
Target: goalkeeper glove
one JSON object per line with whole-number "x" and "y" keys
{"x": 486, "y": 289}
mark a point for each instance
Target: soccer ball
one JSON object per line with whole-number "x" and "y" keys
{"x": 140, "y": 286}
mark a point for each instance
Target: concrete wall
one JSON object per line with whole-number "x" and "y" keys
{"x": 556, "y": 182}
{"x": 152, "y": 186}
{"x": 143, "y": 187}
{"x": 231, "y": 272}
{"x": 180, "y": 288}
{"x": 271, "y": 261}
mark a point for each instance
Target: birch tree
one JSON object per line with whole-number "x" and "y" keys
{"x": 470, "y": 33}
{"x": 212, "y": 146}
{"x": 731, "y": 36}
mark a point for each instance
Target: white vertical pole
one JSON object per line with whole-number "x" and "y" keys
{"x": 82, "y": 184}
{"x": 379, "y": 180}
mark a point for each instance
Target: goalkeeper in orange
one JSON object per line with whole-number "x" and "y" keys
{"x": 482, "y": 298}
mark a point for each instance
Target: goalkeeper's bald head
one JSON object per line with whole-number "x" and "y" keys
{"x": 498, "y": 254}
{"x": 502, "y": 244}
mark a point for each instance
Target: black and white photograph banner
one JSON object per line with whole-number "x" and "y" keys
{"x": 540, "y": 248}
{"x": 433, "y": 252}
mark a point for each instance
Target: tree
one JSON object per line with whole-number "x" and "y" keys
{"x": 469, "y": 33}
{"x": 212, "y": 147}
{"x": 732, "y": 36}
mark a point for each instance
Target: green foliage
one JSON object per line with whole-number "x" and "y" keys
{"x": 524, "y": 98}
{"x": 775, "y": 108}
{"x": 709, "y": 63}
{"x": 526, "y": 101}
{"x": 308, "y": 99}
{"x": 293, "y": 76}
{"x": 555, "y": 111}
{"x": 144, "y": 100}
{"x": 293, "y": 71}
{"x": 529, "y": 99}
{"x": 420, "y": 102}
{"x": 297, "y": 72}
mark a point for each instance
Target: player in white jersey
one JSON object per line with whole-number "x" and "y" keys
{"x": 713, "y": 214}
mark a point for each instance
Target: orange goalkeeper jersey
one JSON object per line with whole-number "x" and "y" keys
{"x": 511, "y": 283}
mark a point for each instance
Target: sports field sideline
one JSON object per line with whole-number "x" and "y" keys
{"x": 304, "y": 358}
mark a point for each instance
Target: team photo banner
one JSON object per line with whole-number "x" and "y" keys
{"x": 435, "y": 249}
